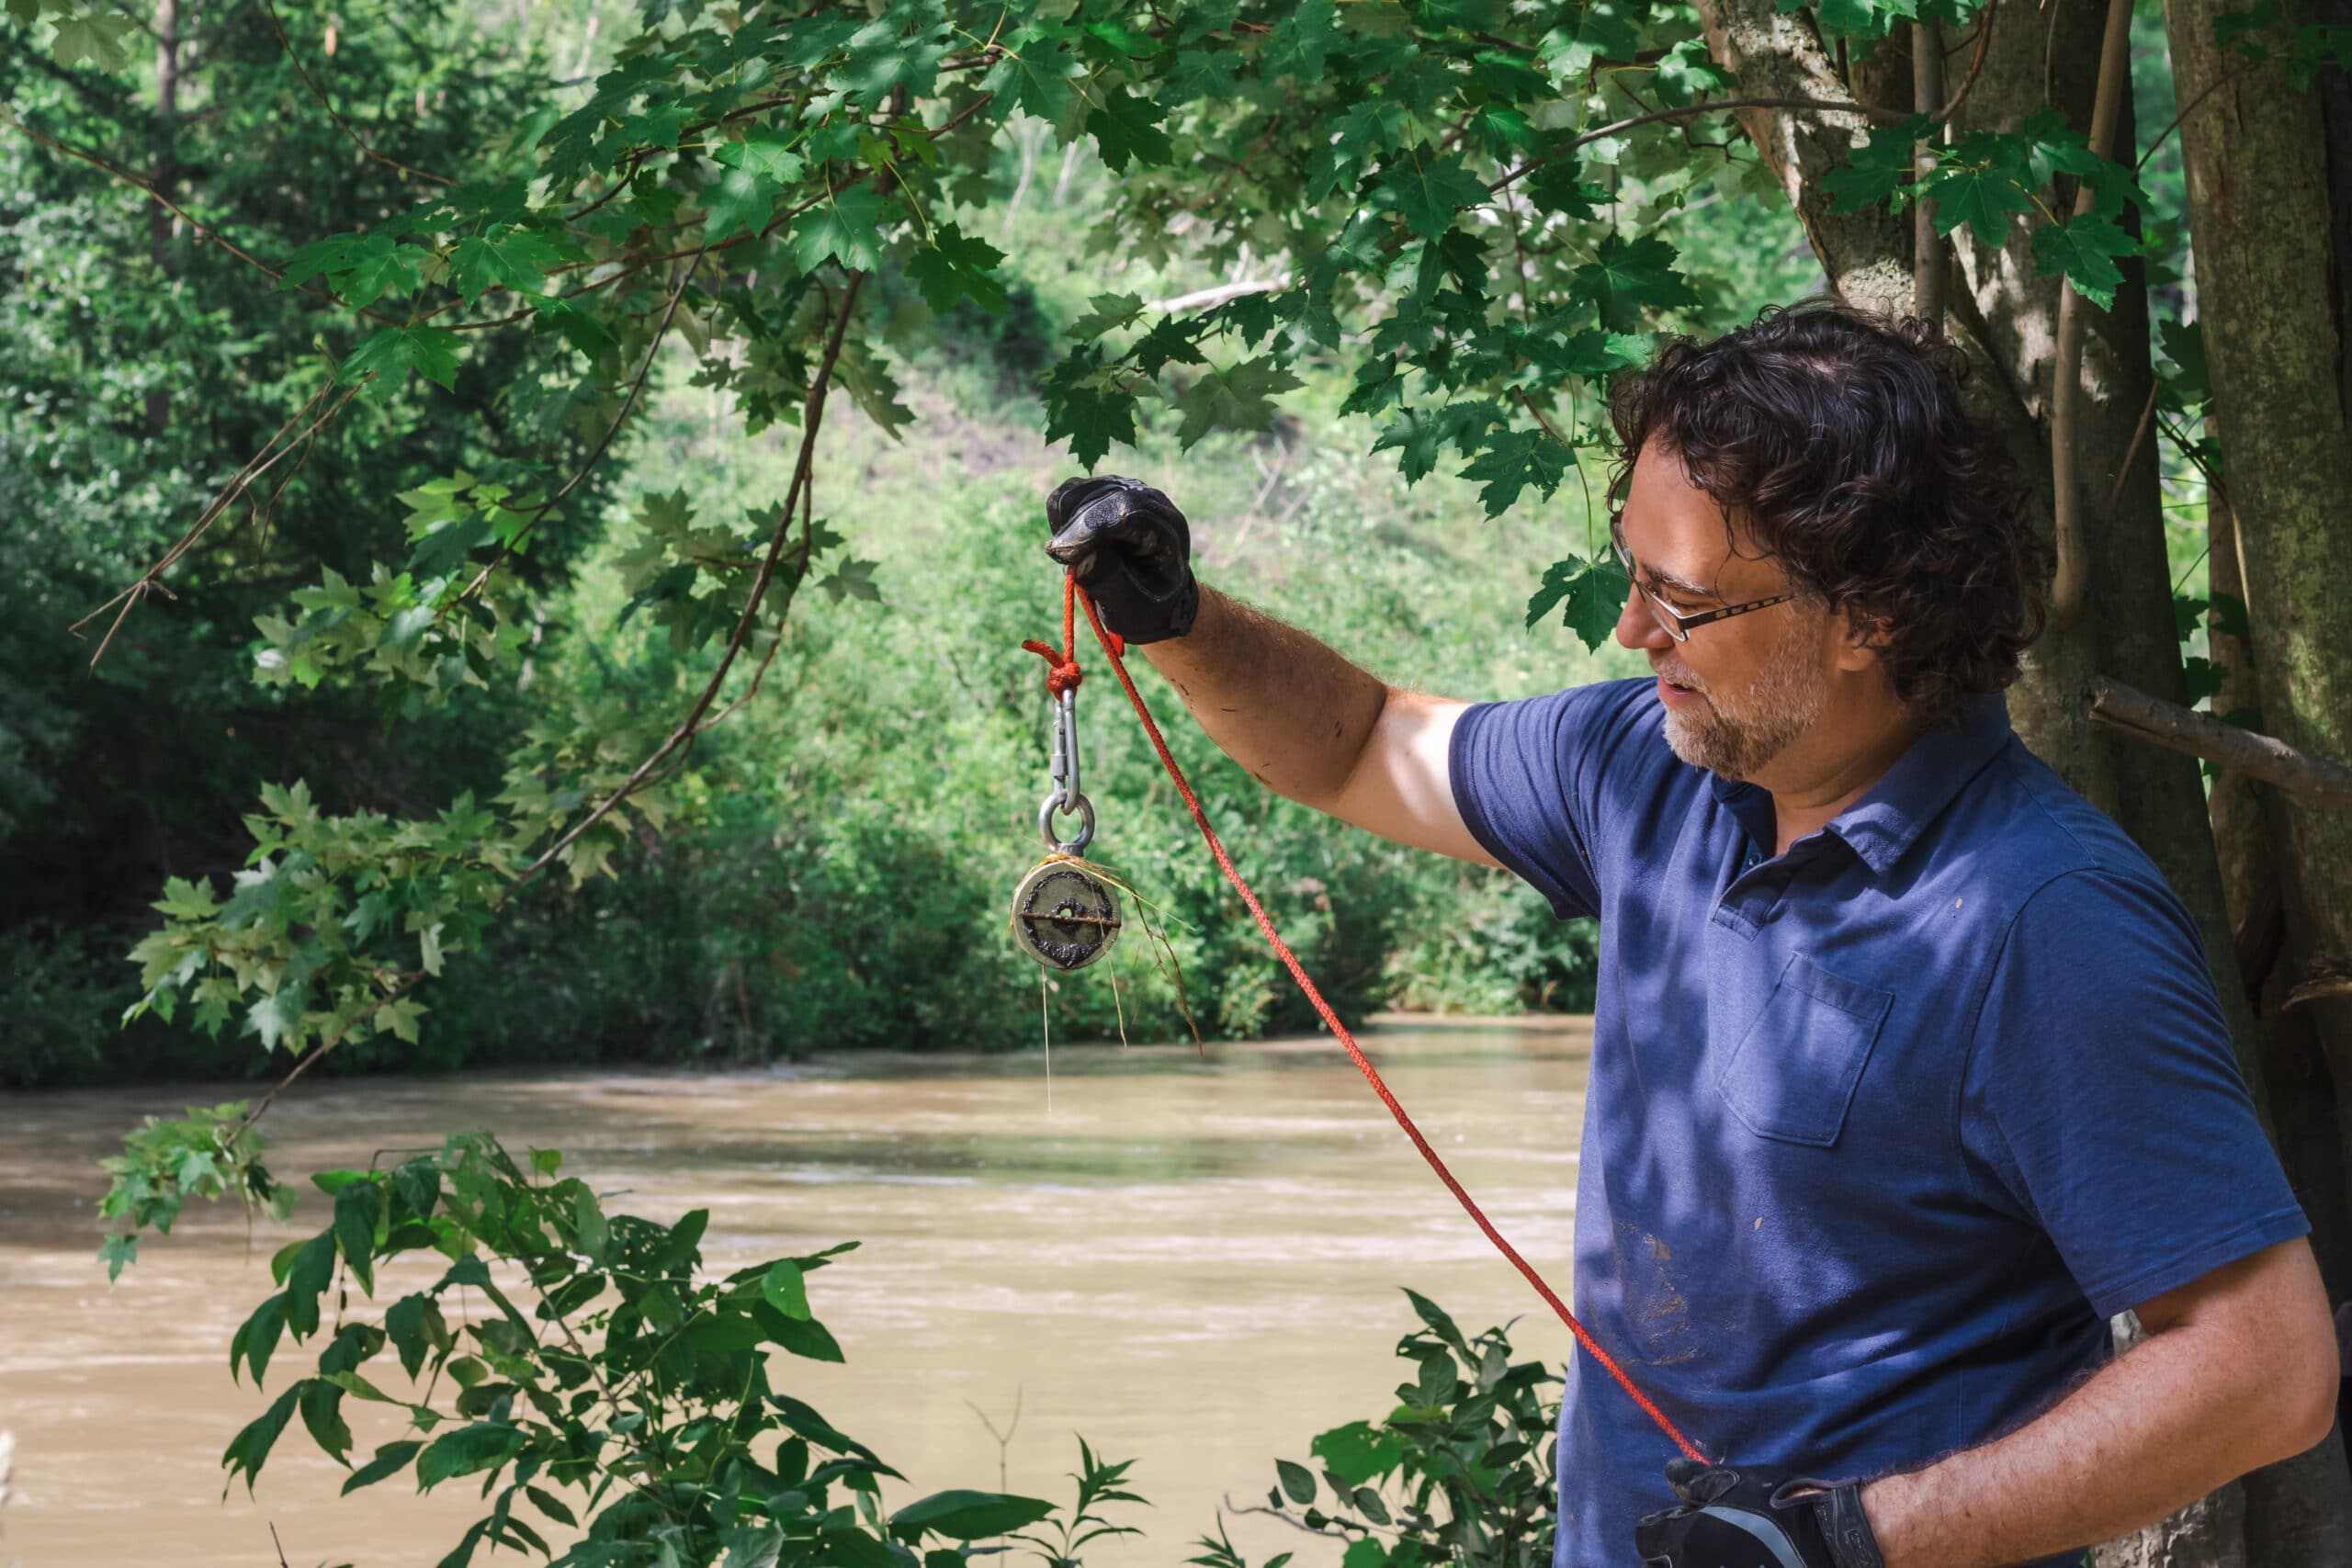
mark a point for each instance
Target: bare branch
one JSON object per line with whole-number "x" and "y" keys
{"x": 635, "y": 385}
{"x": 2128, "y": 712}
{"x": 1715, "y": 106}
{"x": 268, "y": 457}
{"x": 1976, "y": 65}
{"x": 340, "y": 123}
{"x": 811, "y": 421}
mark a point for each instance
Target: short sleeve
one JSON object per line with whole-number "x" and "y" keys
{"x": 2101, "y": 1099}
{"x": 1532, "y": 780}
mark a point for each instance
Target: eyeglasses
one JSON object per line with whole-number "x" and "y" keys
{"x": 1673, "y": 622}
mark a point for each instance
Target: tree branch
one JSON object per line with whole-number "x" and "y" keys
{"x": 340, "y": 123}
{"x": 203, "y": 229}
{"x": 257, "y": 464}
{"x": 811, "y": 421}
{"x": 2066, "y": 368}
{"x": 1984, "y": 43}
{"x": 603, "y": 446}
{"x": 1687, "y": 111}
{"x": 2128, "y": 712}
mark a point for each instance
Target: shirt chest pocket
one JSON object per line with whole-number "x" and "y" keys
{"x": 1793, "y": 1073}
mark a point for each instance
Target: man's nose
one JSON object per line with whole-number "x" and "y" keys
{"x": 1636, "y": 627}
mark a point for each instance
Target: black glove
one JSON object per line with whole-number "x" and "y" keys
{"x": 1747, "y": 1518}
{"x": 1131, "y": 551}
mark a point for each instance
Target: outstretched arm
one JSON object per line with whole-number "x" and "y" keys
{"x": 2238, "y": 1371}
{"x": 1311, "y": 727}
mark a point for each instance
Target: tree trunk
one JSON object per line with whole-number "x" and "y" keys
{"x": 166, "y": 172}
{"x": 2304, "y": 1109}
{"x": 2125, "y": 628}
{"x": 2268, "y": 277}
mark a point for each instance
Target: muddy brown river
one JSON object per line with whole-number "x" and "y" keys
{"x": 1193, "y": 1262}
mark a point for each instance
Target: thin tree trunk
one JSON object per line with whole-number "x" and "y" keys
{"x": 165, "y": 173}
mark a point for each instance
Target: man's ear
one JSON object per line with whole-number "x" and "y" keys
{"x": 1861, "y": 638}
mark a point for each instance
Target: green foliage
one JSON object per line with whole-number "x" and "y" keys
{"x": 606, "y": 1384}
{"x": 1458, "y": 1473}
{"x": 1097, "y": 1483}
{"x": 205, "y": 1154}
{"x": 1588, "y": 596}
{"x": 730, "y": 183}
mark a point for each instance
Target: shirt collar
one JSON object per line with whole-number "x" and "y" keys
{"x": 1881, "y": 825}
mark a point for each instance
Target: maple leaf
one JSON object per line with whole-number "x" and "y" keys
{"x": 1591, "y": 594}
{"x": 1514, "y": 460}
{"x": 1561, "y": 188}
{"x": 657, "y": 126}
{"x": 853, "y": 580}
{"x": 2057, "y": 146}
{"x": 1237, "y": 399}
{"x": 2085, "y": 249}
{"x": 2191, "y": 383}
{"x": 393, "y": 352}
{"x": 765, "y": 153}
{"x": 1607, "y": 31}
{"x": 1624, "y": 275}
{"x": 1500, "y": 128}
{"x": 1879, "y": 170}
{"x": 1367, "y": 129}
{"x": 1301, "y": 41}
{"x": 507, "y": 258}
{"x": 1033, "y": 74}
{"x": 1085, "y": 403}
{"x": 901, "y": 47}
{"x": 361, "y": 268}
{"x": 95, "y": 38}
{"x": 1169, "y": 340}
{"x": 738, "y": 201}
{"x": 846, "y": 227}
{"x": 957, "y": 265}
{"x": 1198, "y": 74}
{"x": 1110, "y": 312}
{"x": 1985, "y": 198}
{"x": 1420, "y": 436}
{"x": 1127, "y": 127}
{"x": 580, "y": 327}
{"x": 1425, "y": 191}
{"x": 1377, "y": 385}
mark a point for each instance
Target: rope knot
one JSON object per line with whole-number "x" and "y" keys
{"x": 1062, "y": 675}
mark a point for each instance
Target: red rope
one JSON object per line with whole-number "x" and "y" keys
{"x": 1062, "y": 673}
{"x": 1065, "y": 673}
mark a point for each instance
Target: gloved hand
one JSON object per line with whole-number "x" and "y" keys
{"x": 1750, "y": 1517}
{"x": 1131, "y": 551}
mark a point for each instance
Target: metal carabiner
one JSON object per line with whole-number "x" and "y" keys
{"x": 1067, "y": 795}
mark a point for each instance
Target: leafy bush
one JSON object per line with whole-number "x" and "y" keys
{"x": 1459, "y": 1474}
{"x": 612, "y": 1387}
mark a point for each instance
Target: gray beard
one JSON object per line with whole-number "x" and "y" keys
{"x": 1738, "y": 736}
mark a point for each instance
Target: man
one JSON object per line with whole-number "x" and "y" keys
{"x": 1907, "y": 1069}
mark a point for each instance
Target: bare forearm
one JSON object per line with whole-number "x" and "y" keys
{"x": 1284, "y": 706}
{"x": 2180, "y": 1414}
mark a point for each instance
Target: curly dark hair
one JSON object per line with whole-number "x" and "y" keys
{"x": 1835, "y": 442}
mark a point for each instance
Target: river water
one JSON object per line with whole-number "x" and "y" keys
{"x": 1191, "y": 1260}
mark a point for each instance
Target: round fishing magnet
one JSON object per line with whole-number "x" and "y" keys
{"x": 1064, "y": 915}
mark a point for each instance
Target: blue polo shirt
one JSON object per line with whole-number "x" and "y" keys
{"x": 1881, "y": 1130}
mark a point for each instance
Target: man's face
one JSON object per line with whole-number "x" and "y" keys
{"x": 1739, "y": 690}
